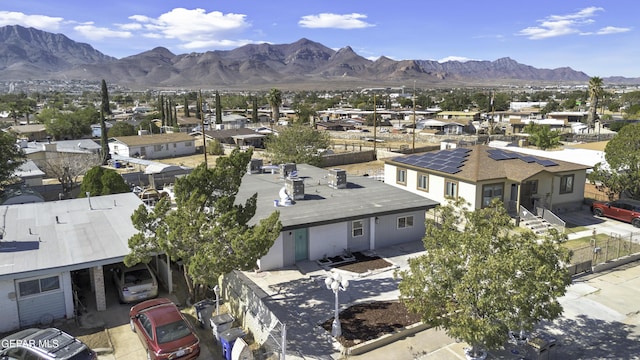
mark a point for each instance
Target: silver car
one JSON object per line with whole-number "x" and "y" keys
{"x": 135, "y": 283}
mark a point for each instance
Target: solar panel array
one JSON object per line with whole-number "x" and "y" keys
{"x": 499, "y": 154}
{"x": 448, "y": 161}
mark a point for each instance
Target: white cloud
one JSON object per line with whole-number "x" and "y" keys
{"x": 98, "y": 33}
{"x": 42, "y": 22}
{"x": 612, "y": 30}
{"x": 560, "y": 25}
{"x": 195, "y": 28}
{"x": 334, "y": 21}
{"x": 455, "y": 58}
{"x": 130, "y": 26}
{"x": 199, "y": 44}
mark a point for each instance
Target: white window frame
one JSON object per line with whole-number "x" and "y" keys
{"x": 455, "y": 186}
{"x": 426, "y": 182}
{"x": 40, "y": 291}
{"x": 564, "y": 180}
{"x": 404, "y": 222}
{"x": 401, "y": 176}
{"x": 357, "y": 230}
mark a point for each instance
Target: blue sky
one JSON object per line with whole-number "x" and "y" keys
{"x": 597, "y": 37}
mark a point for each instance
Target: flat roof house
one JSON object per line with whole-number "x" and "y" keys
{"x": 480, "y": 173}
{"x": 43, "y": 244}
{"x": 154, "y": 146}
{"x": 326, "y": 213}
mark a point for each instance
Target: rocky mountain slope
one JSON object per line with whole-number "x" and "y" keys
{"x": 27, "y": 53}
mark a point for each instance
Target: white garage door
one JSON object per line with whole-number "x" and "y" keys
{"x": 40, "y": 300}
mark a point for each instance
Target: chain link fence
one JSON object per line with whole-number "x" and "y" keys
{"x": 604, "y": 249}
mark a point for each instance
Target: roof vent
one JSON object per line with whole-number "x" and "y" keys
{"x": 288, "y": 170}
{"x": 294, "y": 188}
{"x": 337, "y": 178}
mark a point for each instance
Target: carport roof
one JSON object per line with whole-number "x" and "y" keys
{"x": 65, "y": 235}
{"x": 364, "y": 197}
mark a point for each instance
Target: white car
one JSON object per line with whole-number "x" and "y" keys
{"x": 135, "y": 283}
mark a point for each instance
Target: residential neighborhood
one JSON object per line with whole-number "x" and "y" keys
{"x": 325, "y": 224}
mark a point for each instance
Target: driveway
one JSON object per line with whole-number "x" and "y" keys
{"x": 600, "y": 318}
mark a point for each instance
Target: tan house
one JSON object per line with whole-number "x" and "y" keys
{"x": 480, "y": 174}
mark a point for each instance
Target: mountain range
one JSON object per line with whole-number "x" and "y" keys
{"x": 30, "y": 54}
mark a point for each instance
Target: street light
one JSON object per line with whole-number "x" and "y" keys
{"x": 216, "y": 290}
{"x": 335, "y": 283}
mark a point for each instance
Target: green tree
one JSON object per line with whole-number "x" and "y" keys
{"x": 121, "y": 128}
{"x": 542, "y": 136}
{"x": 275, "y": 100}
{"x": 297, "y": 144}
{"x": 478, "y": 279}
{"x": 186, "y": 107}
{"x": 209, "y": 231}
{"x": 214, "y": 147}
{"x": 102, "y": 181}
{"x": 595, "y": 94}
{"x": 69, "y": 124}
{"x": 254, "y": 110}
{"x": 149, "y": 125}
{"x": 11, "y": 157}
{"x": 621, "y": 174}
{"x": 218, "y": 109}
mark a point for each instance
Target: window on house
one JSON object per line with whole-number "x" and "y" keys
{"x": 423, "y": 181}
{"x": 175, "y": 145}
{"x": 566, "y": 184}
{"x": 490, "y": 192}
{"x": 405, "y": 222}
{"x": 157, "y": 148}
{"x": 533, "y": 186}
{"x": 188, "y": 144}
{"x": 38, "y": 286}
{"x": 401, "y": 176}
{"x": 451, "y": 188}
{"x": 357, "y": 228}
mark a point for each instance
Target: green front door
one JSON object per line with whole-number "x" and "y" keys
{"x": 301, "y": 244}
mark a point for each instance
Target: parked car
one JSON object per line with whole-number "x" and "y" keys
{"x": 164, "y": 332}
{"x": 626, "y": 210}
{"x": 44, "y": 344}
{"x": 135, "y": 283}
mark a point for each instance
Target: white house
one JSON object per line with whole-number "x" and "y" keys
{"x": 480, "y": 173}
{"x": 154, "y": 146}
{"x": 43, "y": 244}
{"x": 331, "y": 213}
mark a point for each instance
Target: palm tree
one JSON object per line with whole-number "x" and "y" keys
{"x": 595, "y": 94}
{"x": 275, "y": 100}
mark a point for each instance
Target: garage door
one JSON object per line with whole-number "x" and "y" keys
{"x": 40, "y": 300}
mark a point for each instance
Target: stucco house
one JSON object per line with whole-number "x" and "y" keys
{"x": 154, "y": 146}
{"x": 480, "y": 173}
{"x": 323, "y": 213}
{"x": 44, "y": 245}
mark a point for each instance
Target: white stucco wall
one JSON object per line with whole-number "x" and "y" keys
{"x": 275, "y": 257}
{"x": 327, "y": 239}
{"x": 8, "y": 303}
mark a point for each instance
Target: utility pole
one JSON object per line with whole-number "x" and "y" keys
{"x": 375, "y": 120}
{"x": 204, "y": 136}
{"x": 413, "y": 146}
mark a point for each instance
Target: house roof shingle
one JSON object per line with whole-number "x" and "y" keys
{"x": 478, "y": 166}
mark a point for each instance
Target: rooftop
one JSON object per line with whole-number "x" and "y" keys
{"x": 71, "y": 234}
{"x": 363, "y": 197}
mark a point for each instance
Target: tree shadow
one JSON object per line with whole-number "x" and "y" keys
{"x": 583, "y": 338}
{"x": 305, "y": 304}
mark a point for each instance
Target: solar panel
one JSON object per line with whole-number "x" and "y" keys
{"x": 528, "y": 159}
{"x": 546, "y": 163}
{"x": 451, "y": 170}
